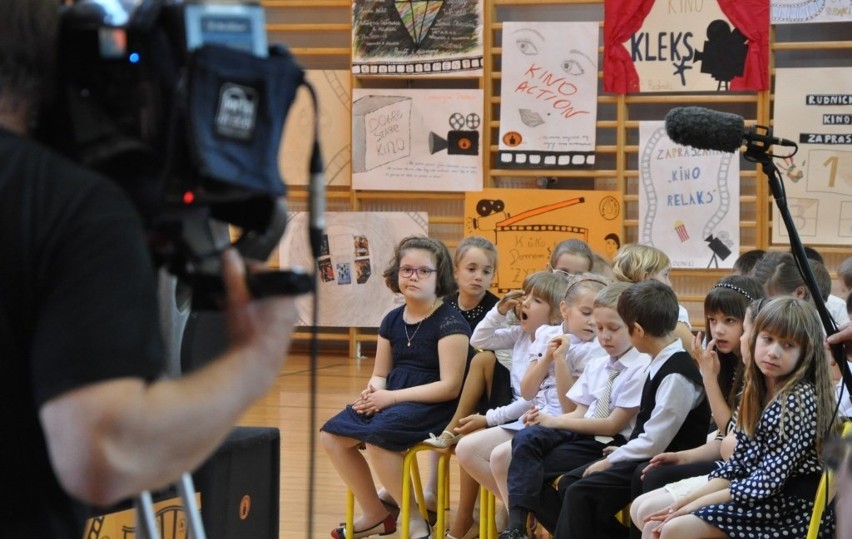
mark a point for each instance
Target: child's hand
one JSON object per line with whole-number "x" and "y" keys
{"x": 470, "y": 424}
{"x": 664, "y": 515}
{"x": 361, "y": 405}
{"x": 708, "y": 360}
{"x": 510, "y": 301}
{"x": 373, "y": 400}
{"x": 535, "y": 417}
{"x": 558, "y": 346}
{"x": 599, "y": 466}
{"x": 663, "y": 459}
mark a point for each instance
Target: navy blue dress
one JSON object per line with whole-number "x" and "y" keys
{"x": 405, "y": 424}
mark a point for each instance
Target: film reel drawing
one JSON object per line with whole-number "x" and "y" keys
{"x": 797, "y": 12}
{"x": 458, "y": 141}
{"x": 535, "y": 159}
{"x": 646, "y": 235}
{"x": 430, "y": 67}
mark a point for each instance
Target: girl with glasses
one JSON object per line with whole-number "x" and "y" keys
{"x": 421, "y": 353}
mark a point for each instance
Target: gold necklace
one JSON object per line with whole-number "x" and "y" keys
{"x": 405, "y": 324}
{"x": 405, "y": 328}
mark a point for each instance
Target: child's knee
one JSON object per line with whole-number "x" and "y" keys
{"x": 500, "y": 458}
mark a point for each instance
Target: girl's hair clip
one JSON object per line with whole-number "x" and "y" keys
{"x": 735, "y": 289}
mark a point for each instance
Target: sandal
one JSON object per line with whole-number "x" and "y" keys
{"x": 446, "y": 440}
{"x": 386, "y": 527}
{"x": 392, "y": 507}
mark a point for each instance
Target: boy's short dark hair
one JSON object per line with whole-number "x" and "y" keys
{"x": 652, "y": 305}
{"x": 746, "y": 261}
{"x": 822, "y": 278}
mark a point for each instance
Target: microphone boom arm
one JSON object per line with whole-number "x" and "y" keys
{"x": 759, "y": 154}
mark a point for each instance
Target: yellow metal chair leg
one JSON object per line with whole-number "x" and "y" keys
{"x": 411, "y": 481}
{"x": 350, "y": 513}
{"x": 823, "y": 494}
{"x": 443, "y": 495}
{"x": 411, "y": 472}
{"x": 487, "y": 522}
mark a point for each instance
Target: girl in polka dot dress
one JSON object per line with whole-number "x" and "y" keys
{"x": 766, "y": 489}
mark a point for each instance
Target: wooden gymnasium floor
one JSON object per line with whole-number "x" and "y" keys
{"x": 287, "y": 407}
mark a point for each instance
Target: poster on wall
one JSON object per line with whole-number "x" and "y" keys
{"x": 811, "y": 11}
{"x": 548, "y": 94}
{"x": 813, "y": 107}
{"x": 689, "y": 200}
{"x": 417, "y": 140}
{"x": 417, "y": 37}
{"x": 686, "y": 46}
{"x": 526, "y": 224}
{"x": 334, "y": 99}
{"x": 356, "y": 249}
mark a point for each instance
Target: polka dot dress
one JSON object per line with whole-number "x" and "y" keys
{"x": 774, "y": 476}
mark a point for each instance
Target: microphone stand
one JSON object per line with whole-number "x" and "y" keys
{"x": 757, "y": 152}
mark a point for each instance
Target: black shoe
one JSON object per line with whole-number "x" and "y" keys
{"x": 513, "y": 533}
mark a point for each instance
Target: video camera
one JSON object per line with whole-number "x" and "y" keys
{"x": 183, "y": 105}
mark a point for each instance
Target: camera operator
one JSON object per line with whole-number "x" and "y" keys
{"x": 85, "y": 417}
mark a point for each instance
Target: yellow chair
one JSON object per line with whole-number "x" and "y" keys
{"x": 411, "y": 478}
{"x": 824, "y": 492}
{"x": 487, "y": 523}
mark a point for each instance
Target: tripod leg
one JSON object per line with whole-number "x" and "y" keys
{"x": 145, "y": 523}
{"x": 193, "y": 516}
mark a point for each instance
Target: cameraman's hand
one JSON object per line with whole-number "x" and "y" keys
{"x": 261, "y": 327}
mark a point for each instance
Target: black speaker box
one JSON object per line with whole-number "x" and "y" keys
{"x": 239, "y": 485}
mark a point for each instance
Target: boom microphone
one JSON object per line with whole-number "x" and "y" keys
{"x": 707, "y": 129}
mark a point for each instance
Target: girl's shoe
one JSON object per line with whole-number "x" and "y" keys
{"x": 446, "y": 440}
{"x": 385, "y": 527}
{"x": 416, "y": 531}
{"x": 472, "y": 533}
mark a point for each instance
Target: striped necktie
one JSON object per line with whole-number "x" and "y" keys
{"x": 603, "y": 404}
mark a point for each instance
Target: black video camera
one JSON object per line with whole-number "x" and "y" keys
{"x": 183, "y": 105}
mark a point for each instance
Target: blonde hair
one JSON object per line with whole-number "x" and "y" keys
{"x": 548, "y": 286}
{"x": 573, "y": 247}
{"x": 608, "y": 296}
{"x": 789, "y": 318}
{"x": 635, "y": 262}
{"x": 478, "y": 242}
{"x": 577, "y": 284}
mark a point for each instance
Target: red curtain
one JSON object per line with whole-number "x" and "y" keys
{"x": 622, "y": 19}
{"x": 751, "y": 17}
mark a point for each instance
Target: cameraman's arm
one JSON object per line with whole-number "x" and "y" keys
{"x": 113, "y": 439}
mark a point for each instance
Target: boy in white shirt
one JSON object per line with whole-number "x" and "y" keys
{"x": 604, "y": 415}
{"x": 673, "y": 415}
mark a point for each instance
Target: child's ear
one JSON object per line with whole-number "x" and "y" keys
{"x": 800, "y": 292}
{"x": 638, "y": 330}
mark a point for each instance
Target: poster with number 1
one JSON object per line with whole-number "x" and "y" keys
{"x": 813, "y": 107}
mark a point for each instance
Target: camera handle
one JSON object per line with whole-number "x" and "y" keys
{"x": 146, "y": 524}
{"x": 759, "y": 154}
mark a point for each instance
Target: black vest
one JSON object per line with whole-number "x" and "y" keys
{"x": 693, "y": 431}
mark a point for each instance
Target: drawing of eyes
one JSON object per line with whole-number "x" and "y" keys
{"x": 528, "y": 41}
{"x": 572, "y": 67}
{"x": 526, "y": 46}
{"x": 577, "y": 63}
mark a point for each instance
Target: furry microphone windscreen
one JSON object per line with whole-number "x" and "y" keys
{"x": 705, "y": 129}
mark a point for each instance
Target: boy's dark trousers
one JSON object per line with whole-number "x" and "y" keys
{"x": 540, "y": 455}
{"x": 590, "y": 504}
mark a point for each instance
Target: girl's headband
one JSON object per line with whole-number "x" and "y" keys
{"x": 583, "y": 280}
{"x": 735, "y": 289}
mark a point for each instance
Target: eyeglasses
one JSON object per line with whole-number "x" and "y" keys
{"x": 563, "y": 273}
{"x": 422, "y": 273}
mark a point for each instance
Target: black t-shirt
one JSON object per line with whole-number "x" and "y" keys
{"x": 77, "y": 306}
